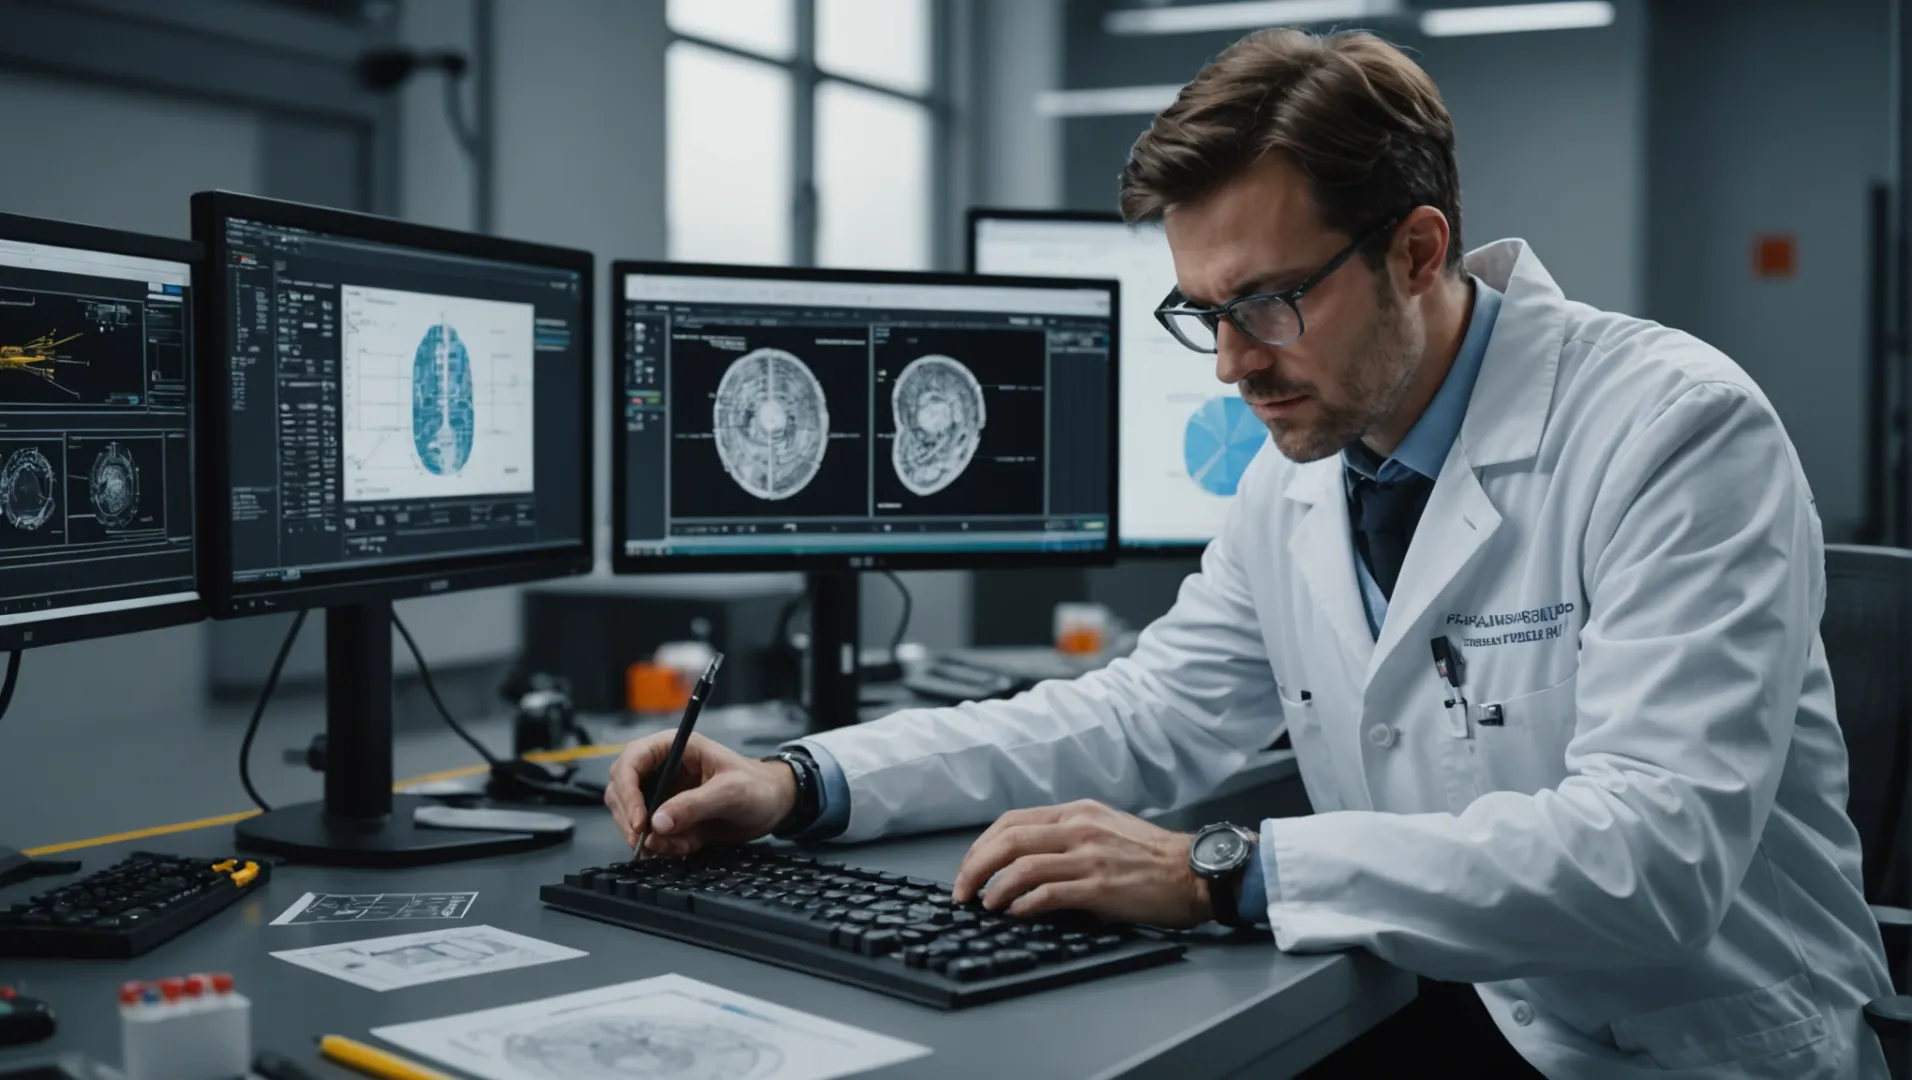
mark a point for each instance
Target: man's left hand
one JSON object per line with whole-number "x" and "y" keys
{"x": 1085, "y": 857}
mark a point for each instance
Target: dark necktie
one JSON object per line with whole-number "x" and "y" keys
{"x": 1384, "y": 516}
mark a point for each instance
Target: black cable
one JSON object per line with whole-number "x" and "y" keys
{"x": 432, "y": 689}
{"x": 909, "y": 608}
{"x": 258, "y": 710}
{"x": 13, "y": 676}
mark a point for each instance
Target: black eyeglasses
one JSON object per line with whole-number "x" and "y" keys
{"x": 1272, "y": 318}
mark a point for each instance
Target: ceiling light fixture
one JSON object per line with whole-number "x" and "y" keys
{"x": 1514, "y": 18}
{"x": 1112, "y": 101}
{"x": 1243, "y": 15}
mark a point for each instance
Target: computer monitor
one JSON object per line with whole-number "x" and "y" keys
{"x": 394, "y": 411}
{"x": 96, "y": 445}
{"x": 1186, "y": 438}
{"x": 834, "y": 421}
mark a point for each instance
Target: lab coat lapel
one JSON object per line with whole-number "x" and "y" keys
{"x": 1323, "y": 550}
{"x": 1506, "y": 416}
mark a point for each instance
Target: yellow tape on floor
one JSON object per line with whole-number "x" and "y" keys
{"x": 578, "y": 753}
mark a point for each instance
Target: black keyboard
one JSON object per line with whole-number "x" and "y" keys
{"x": 127, "y": 909}
{"x": 897, "y": 935}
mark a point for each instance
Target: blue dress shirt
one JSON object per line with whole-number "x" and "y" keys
{"x": 1422, "y": 451}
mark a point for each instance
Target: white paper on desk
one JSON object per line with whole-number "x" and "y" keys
{"x": 375, "y": 907}
{"x": 393, "y": 963}
{"x": 665, "y": 1026}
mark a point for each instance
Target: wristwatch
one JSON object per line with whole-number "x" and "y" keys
{"x": 809, "y": 805}
{"x": 1219, "y": 855}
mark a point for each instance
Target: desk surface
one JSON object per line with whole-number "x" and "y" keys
{"x": 1233, "y": 1007}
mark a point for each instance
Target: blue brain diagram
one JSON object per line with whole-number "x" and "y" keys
{"x": 442, "y": 424}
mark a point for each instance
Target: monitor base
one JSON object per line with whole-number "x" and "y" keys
{"x": 305, "y": 834}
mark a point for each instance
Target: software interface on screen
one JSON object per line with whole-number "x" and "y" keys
{"x": 775, "y": 416}
{"x": 392, "y": 405}
{"x": 96, "y": 467}
{"x": 1185, "y": 437}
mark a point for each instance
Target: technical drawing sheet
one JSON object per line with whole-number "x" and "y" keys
{"x": 664, "y": 1028}
{"x": 393, "y": 963}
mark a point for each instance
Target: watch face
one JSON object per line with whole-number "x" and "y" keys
{"x": 1219, "y": 849}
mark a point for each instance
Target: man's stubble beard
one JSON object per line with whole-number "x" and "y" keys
{"x": 1370, "y": 391}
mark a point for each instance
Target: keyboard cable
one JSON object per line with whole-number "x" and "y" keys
{"x": 431, "y": 688}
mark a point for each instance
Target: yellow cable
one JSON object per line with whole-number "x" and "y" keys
{"x": 578, "y": 753}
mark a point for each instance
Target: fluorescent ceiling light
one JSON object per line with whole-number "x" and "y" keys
{"x": 1511, "y": 18}
{"x": 1113, "y": 101}
{"x": 1243, "y": 15}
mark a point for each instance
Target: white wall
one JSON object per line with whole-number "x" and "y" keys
{"x": 1773, "y": 117}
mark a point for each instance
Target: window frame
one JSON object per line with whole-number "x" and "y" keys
{"x": 806, "y": 77}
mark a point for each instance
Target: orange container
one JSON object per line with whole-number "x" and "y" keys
{"x": 654, "y": 688}
{"x": 1080, "y": 641}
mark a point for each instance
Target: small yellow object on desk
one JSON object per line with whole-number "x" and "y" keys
{"x": 374, "y": 1062}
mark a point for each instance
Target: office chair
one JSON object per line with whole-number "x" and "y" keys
{"x": 1867, "y": 630}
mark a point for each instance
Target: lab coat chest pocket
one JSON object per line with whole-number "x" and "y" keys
{"x": 1311, "y": 749}
{"x": 1521, "y": 742}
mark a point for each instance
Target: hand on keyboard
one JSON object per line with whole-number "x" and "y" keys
{"x": 1085, "y": 856}
{"x": 719, "y": 797}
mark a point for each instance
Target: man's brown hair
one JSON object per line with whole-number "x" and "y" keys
{"x": 1360, "y": 119}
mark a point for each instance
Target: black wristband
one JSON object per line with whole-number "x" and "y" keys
{"x": 809, "y": 805}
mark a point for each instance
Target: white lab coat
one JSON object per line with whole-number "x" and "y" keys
{"x": 1647, "y": 869}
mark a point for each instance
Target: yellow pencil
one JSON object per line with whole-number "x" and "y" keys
{"x": 374, "y": 1062}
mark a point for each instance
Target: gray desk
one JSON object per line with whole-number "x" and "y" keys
{"x": 1233, "y": 1009}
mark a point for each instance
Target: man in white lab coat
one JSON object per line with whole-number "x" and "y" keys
{"x": 1534, "y": 588}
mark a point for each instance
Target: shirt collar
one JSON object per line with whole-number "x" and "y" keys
{"x": 1425, "y": 448}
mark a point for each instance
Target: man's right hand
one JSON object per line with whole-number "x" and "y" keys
{"x": 718, "y": 796}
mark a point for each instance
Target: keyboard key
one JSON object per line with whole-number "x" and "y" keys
{"x": 1013, "y": 961}
{"x": 914, "y": 937}
{"x": 1044, "y": 951}
{"x": 1107, "y": 942}
{"x": 888, "y": 907}
{"x": 970, "y": 969}
{"x": 924, "y": 883}
{"x": 892, "y": 922}
{"x": 1079, "y": 950}
{"x": 849, "y": 936}
{"x": 880, "y": 942}
{"x": 860, "y": 918}
{"x": 916, "y": 956}
{"x": 891, "y": 879}
{"x": 674, "y": 899}
{"x": 882, "y": 890}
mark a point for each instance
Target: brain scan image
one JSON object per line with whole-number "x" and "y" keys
{"x": 771, "y": 423}
{"x": 114, "y": 487}
{"x": 939, "y": 422}
{"x": 26, "y": 489}
{"x": 641, "y": 1048}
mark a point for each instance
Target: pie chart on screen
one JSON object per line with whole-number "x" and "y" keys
{"x": 1221, "y": 439}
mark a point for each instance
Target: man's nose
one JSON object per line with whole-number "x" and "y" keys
{"x": 1237, "y": 355}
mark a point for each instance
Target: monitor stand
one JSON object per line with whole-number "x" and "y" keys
{"x": 361, "y": 822}
{"x": 832, "y": 677}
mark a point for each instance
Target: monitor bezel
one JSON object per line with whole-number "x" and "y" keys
{"x": 624, "y": 563}
{"x": 385, "y": 582}
{"x": 54, "y": 629}
{"x": 1129, "y": 548}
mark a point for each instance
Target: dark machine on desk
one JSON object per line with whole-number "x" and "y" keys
{"x": 334, "y": 488}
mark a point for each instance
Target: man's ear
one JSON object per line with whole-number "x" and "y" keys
{"x": 1420, "y": 243}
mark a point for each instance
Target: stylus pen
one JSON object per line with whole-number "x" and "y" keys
{"x": 684, "y": 727}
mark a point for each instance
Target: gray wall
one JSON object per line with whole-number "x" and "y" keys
{"x": 1550, "y": 131}
{"x": 1773, "y": 117}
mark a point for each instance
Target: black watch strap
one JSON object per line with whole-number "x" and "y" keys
{"x": 809, "y": 792}
{"x": 1224, "y": 897}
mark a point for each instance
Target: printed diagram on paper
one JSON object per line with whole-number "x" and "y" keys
{"x": 436, "y": 395}
{"x": 666, "y": 1028}
{"x": 393, "y": 963}
{"x": 376, "y": 907}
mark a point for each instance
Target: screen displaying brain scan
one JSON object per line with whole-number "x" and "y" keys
{"x": 772, "y": 423}
{"x": 96, "y": 476}
{"x": 940, "y": 414}
{"x": 770, "y": 418}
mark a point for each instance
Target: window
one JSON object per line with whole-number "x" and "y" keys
{"x": 803, "y": 131}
